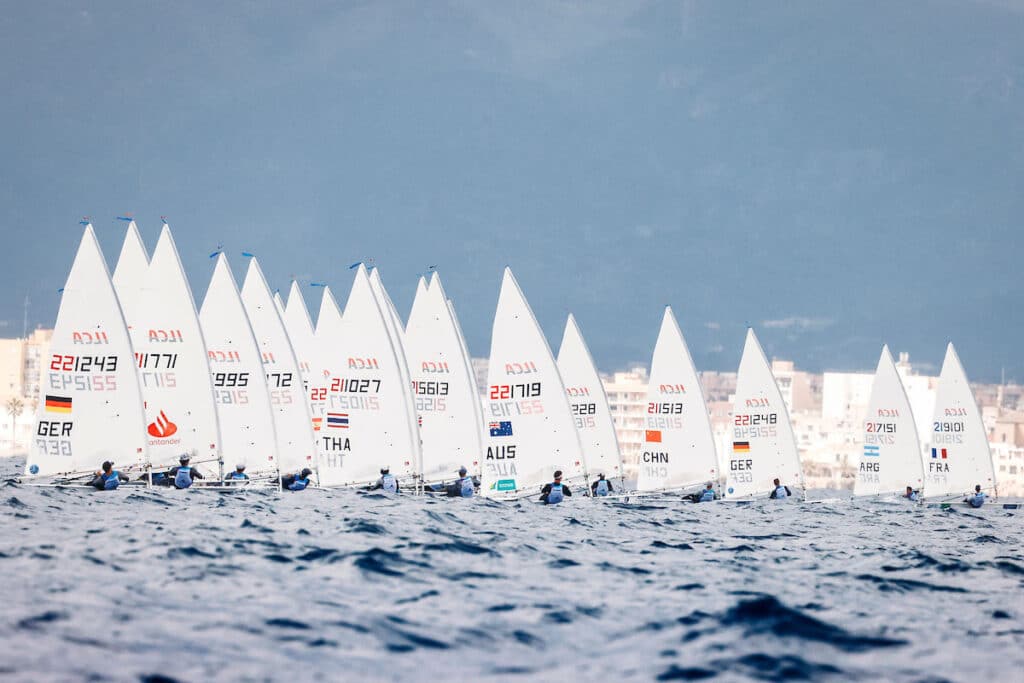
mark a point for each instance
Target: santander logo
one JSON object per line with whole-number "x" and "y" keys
{"x": 162, "y": 427}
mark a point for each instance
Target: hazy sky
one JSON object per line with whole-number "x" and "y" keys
{"x": 838, "y": 175}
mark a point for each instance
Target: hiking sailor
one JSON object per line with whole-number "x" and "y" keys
{"x": 296, "y": 482}
{"x": 108, "y": 478}
{"x": 238, "y": 475}
{"x": 462, "y": 487}
{"x": 780, "y": 492}
{"x": 387, "y": 482}
{"x": 977, "y": 499}
{"x": 183, "y": 475}
{"x": 601, "y": 487}
{"x": 556, "y": 491}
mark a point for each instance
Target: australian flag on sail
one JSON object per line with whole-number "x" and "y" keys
{"x": 501, "y": 428}
{"x": 337, "y": 420}
{"x": 872, "y": 450}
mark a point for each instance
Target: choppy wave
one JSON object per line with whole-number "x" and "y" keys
{"x": 337, "y": 585}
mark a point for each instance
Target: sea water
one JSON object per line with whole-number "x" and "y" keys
{"x": 342, "y": 585}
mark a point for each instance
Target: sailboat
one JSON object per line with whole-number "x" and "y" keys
{"x": 679, "y": 445}
{"x": 170, "y": 353}
{"x": 531, "y": 426}
{"x": 589, "y": 405}
{"x": 369, "y": 421}
{"x": 239, "y": 381}
{"x": 90, "y": 403}
{"x": 891, "y": 458}
{"x": 958, "y": 456}
{"x": 763, "y": 445}
{"x": 446, "y": 397}
{"x": 295, "y": 445}
{"x": 323, "y": 357}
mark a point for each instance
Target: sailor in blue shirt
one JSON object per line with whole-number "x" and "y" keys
{"x": 601, "y": 487}
{"x": 556, "y": 491}
{"x": 708, "y": 494}
{"x": 183, "y": 475}
{"x": 462, "y": 487}
{"x": 976, "y": 500}
{"x": 298, "y": 481}
{"x": 238, "y": 475}
{"x": 780, "y": 492}
{"x": 387, "y": 482}
{"x": 911, "y": 494}
{"x": 107, "y": 479}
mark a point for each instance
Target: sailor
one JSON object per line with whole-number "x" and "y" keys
{"x": 183, "y": 475}
{"x": 387, "y": 481}
{"x": 601, "y": 487}
{"x": 556, "y": 491}
{"x": 708, "y": 494}
{"x": 976, "y": 500}
{"x": 107, "y": 479}
{"x": 462, "y": 487}
{"x": 911, "y": 494}
{"x": 296, "y": 482}
{"x": 239, "y": 473}
{"x": 780, "y": 492}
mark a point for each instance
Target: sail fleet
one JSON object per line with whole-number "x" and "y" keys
{"x": 138, "y": 376}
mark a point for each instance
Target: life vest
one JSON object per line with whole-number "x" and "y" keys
{"x": 111, "y": 481}
{"x": 183, "y": 479}
{"x": 556, "y": 495}
{"x": 299, "y": 484}
{"x": 389, "y": 483}
{"x": 977, "y": 500}
{"x": 780, "y": 492}
{"x": 467, "y": 487}
{"x": 708, "y": 495}
{"x": 602, "y": 487}
{"x": 912, "y": 496}
{"x": 238, "y": 475}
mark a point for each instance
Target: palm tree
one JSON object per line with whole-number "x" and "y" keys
{"x": 15, "y": 407}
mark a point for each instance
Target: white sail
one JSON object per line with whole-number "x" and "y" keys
{"x": 891, "y": 457}
{"x": 958, "y": 456}
{"x": 90, "y": 402}
{"x": 369, "y": 421}
{"x": 387, "y": 305}
{"x": 530, "y": 424}
{"x": 763, "y": 445}
{"x": 300, "y": 331}
{"x": 171, "y": 357}
{"x": 446, "y": 396}
{"x": 679, "y": 446}
{"x": 288, "y": 398}
{"x": 130, "y": 271}
{"x": 589, "y": 405}
{"x": 239, "y": 381}
{"x": 279, "y": 305}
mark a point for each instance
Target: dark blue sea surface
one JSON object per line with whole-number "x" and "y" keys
{"x": 341, "y": 585}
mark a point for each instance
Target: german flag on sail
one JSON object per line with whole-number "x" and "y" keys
{"x": 58, "y": 404}
{"x": 740, "y": 446}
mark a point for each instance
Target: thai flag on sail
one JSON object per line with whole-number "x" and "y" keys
{"x": 936, "y": 452}
{"x": 501, "y": 428}
{"x": 872, "y": 450}
{"x": 337, "y": 420}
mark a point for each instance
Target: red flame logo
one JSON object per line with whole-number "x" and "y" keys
{"x": 162, "y": 428}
